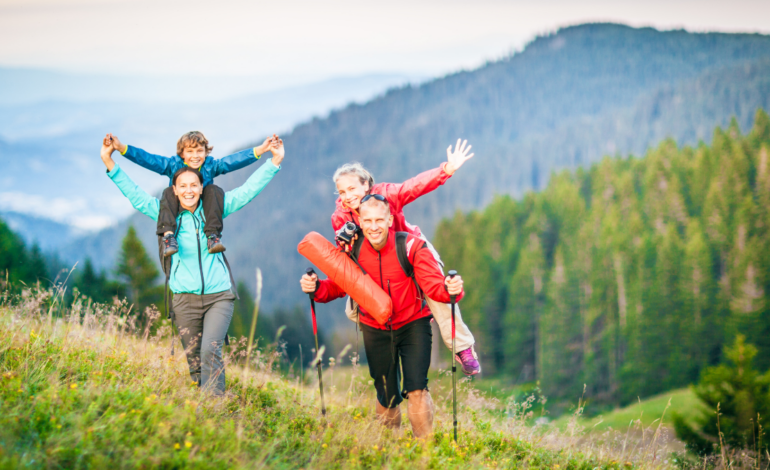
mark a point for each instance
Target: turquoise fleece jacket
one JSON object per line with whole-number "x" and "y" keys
{"x": 193, "y": 269}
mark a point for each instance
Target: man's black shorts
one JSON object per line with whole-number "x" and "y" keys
{"x": 410, "y": 348}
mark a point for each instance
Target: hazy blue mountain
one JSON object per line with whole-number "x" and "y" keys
{"x": 49, "y": 149}
{"x": 24, "y": 86}
{"x": 566, "y": 100}
{"x": 47, "y": 234}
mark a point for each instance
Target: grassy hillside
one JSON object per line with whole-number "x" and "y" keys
{"x": 84, "y": 387}
{"x": 648, "y": 412}
{"x": 566, "y": 100}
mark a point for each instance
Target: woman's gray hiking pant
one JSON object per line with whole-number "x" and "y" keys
{"x": 203, "y": 321}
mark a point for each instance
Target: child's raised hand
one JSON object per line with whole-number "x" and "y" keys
{"x": 265, "y": 146}
{"x": 456, "y": 158}
{"x": 117, "y": 144}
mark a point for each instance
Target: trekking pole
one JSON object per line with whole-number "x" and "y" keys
{"x": 310, "y": 272}
{"x": 453, "y": 298}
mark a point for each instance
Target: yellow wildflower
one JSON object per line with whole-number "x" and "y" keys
{"x": 74, "y": 386}
{"x": 176, "y": 446}
{"x": 187, "y": 444}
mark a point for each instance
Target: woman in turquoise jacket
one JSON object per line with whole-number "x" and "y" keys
{"x": 200, "y": 281}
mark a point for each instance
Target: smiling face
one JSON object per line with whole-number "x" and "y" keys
{"x": 188, "y": 189}
{"x": 375, "y": 219}
{"x": 194, "y": 156}
{"x": 351, "y": 190}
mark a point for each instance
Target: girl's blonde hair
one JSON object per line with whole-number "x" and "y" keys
{"x": 357, "y": 169}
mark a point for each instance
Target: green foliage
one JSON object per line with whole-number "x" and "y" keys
{"x": 17, "y": 262}
{"x": 628, "y": 276}
{"x": 738, "y": 400}
{"x": 138, "y": 271}
{"x": 96, "y": 285}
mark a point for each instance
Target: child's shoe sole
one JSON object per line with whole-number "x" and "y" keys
{"x": 217, "y": 248}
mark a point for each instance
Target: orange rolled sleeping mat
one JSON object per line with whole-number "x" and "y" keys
{"x": 346, "y": 274}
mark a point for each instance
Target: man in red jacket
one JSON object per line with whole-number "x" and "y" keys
{"x": 354, "y": 182}
{"x": 402, "y": 347}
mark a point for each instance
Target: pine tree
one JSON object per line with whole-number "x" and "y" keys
{"x": 90, "y": 283}
{"x": 136, "y": 267}
{"x": 740, "y": 393}
{"x": 523, "y": 311}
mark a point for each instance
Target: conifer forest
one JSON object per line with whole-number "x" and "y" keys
{"x": 630, "y": 276}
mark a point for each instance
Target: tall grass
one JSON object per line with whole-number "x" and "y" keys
{"x": 91, "y": 386}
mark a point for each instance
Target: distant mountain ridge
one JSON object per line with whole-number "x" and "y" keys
{"x": 566, "y": 100}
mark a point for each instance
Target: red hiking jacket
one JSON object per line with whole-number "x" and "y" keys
{"x": 385, "y": 270}
{"x": 398, "y": 196}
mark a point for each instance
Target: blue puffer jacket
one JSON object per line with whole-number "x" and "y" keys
{"x": 211, "y": 168}
{"x": 193, "y": 269}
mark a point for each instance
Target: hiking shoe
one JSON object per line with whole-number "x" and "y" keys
{"x": 469, "y": 361}
{"x": 170, "y": 246}
{"x": 215, "y": 244}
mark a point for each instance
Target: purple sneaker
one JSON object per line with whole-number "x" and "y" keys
{"x": 469, "y": 360}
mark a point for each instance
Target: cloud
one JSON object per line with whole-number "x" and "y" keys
{"x": 75, "y": 212}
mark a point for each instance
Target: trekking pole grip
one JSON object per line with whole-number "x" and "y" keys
{"x": 452, "y": 273}
{"x": 310, "y": 272}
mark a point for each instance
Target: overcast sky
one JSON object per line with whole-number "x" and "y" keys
{"x": 306, "y": 40}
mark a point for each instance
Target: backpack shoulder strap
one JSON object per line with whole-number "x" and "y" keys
{"x": 355, "y": 250}
{"x": 402, "y": 250}
{"x": 403, "y": 254}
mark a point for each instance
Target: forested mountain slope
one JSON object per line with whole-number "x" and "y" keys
{"x": 565, "y": 101}
{"x": 629, "y": 276}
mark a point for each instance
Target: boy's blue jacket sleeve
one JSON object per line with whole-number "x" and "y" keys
{"x": 141, "y": 201}
{"x": 234, "y": 162}
{"x": 159, "y": 164}
{"x": 242, "y": 195}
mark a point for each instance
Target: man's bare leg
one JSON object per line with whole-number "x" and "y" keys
{"x": 420, "y": 412}
{"x": 390, "y": 417}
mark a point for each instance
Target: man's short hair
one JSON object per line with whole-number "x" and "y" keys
{"x": 193, "y": 139}
{"x": 370, "y": 201}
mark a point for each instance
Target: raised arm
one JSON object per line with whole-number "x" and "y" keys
{"x": 239, "y": 197}
{"x": 155, "y": 163}
{"x": 139, "y": 198}
{"x": 243, "y": 158}
{"x": 411, "y": 189}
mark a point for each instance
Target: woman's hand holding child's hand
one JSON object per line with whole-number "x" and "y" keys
{"x": 106, "y": 153}
{"x": 117, "y": 144}
{"x": 278, "y": 151}
{"x": 265, "y": 146}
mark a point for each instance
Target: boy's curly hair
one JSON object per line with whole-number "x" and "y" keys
{"x": 193, "y": 139}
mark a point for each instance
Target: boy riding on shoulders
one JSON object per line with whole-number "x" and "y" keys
{"x": 193, "y": 151}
